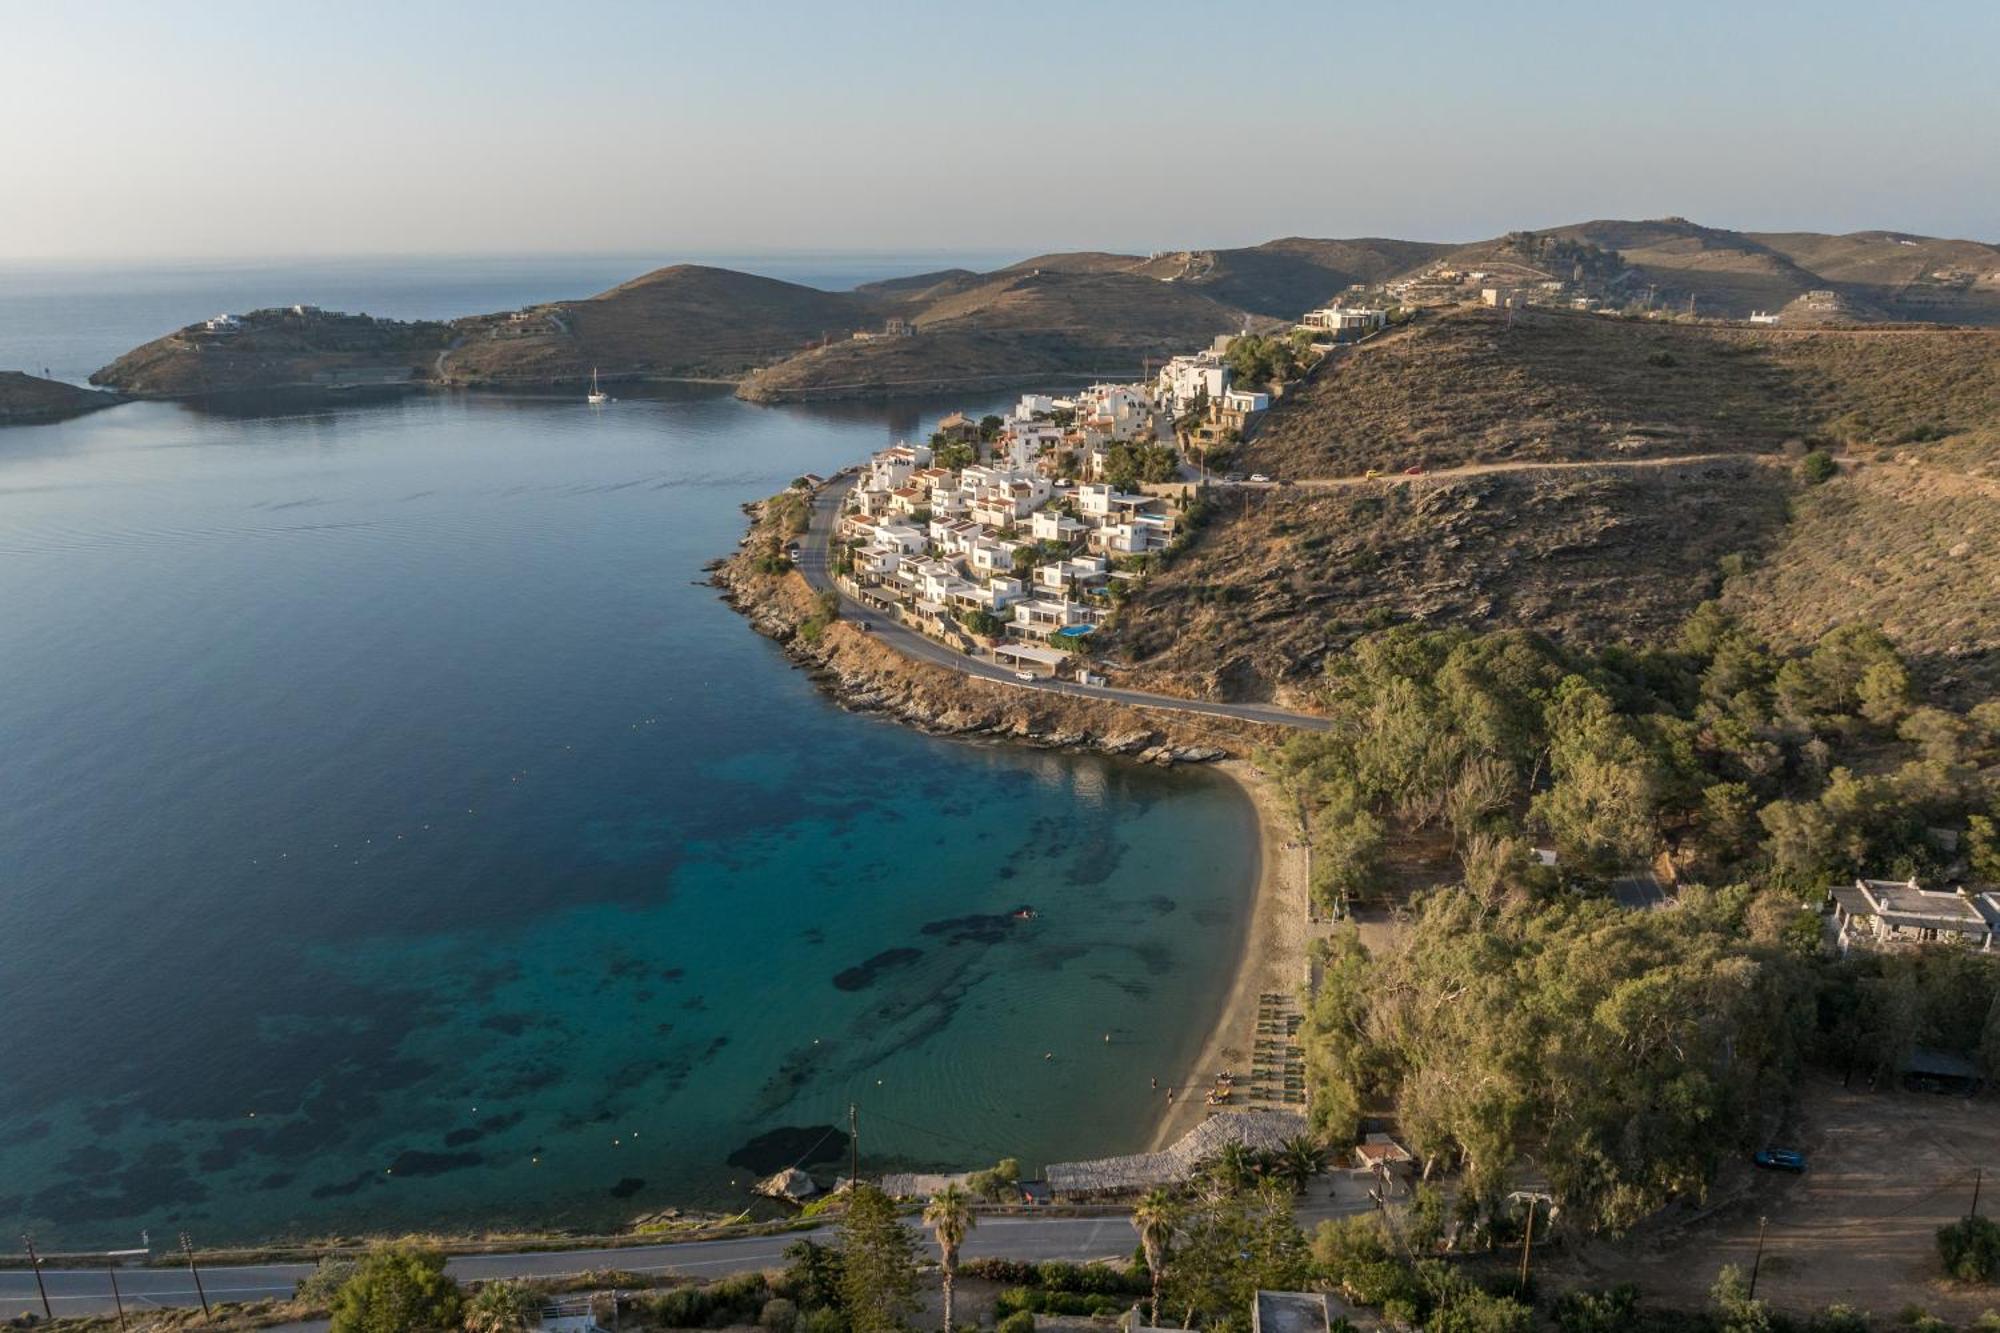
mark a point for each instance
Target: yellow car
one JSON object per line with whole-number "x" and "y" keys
{"x": 1374, "y": 472}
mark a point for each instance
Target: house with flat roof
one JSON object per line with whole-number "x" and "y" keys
{"x": 1878, "y": 913}
{"x": 1289, "y": 1312}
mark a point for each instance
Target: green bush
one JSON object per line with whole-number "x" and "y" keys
{"x": 734, "y": 1300}
{"x": 398, "y": 1290}
{"x": 1970, "y": 1249}
{"x": 1818, "y": 466}
{"x": 778, "y": 1316}
{"x": 825, "y": 1319}
{"x": 1018, "y": 1322}
{"x": 318, "y": 1287}
{"x": 503, "y": 1307}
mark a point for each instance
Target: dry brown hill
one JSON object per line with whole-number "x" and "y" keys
{"x": 1014, "y": 327}
{"x": 1597, "y": 478}
{"x": 1907, "y": 538}
{"x": 279, "y": 349}
{"x": 687, "y": 320}
{"x": 1285, "y": 278}
{"x": 1474, "y": 386}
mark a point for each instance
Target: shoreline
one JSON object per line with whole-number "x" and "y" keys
{"x": 1272, "y": 957}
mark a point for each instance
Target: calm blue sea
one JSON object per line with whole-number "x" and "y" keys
{"x": 396, "y": 833}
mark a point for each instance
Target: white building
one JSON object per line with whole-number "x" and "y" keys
{"x": 1186, "y": 378}
{"x": 1244, "y": 401}
{"x": 1349, "y": 321}
{"x": 891, "y": 468}
{"x": 1875, "y": 912}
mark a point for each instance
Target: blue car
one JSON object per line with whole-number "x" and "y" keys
{"x": 1781, "y": 1159}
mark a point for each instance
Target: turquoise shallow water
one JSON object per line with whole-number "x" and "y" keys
{"x": 396, "y": 834}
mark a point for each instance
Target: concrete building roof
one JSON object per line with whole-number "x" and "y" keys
{"x": 1289, "y": 1312}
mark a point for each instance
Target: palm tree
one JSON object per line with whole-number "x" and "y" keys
{"x": 1231, "y": 1167}
{"x": 1153, "y": 1218}
{"x": 949, "y": 1216}
{"x": 1299, "y": 1160}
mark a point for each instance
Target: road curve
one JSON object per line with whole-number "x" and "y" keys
{"x": 814, "y": 563}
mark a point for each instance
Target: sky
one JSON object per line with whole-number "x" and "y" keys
{"x": 221, "y": 129}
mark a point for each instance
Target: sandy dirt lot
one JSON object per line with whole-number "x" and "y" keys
{"x": 1886, "y": 1170}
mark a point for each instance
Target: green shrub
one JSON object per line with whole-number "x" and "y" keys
{"x": 1818, "y": 466}
{"x": 734, "y": 1300}
{"x": 318, "y": 1287}
{"x": 778, "y": 1316}
{"x": 1970, "y": 1249}
{"x": 1013, "y": 1272}
{"x": 398, "y": 1290}
{"x": 1018, "y": 1322}
{"x": 503, "y": 1307}
{"x": 825, "y": 1319}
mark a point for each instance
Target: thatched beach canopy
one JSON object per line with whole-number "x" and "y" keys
{"x": 1259, "y": 1131}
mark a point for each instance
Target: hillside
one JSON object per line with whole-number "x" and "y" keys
{"x": 687, "y": 320}
{"x": 1595, "y": 479}
{"x": 1054, "y": 314}
{"x": 1875, "y": 275}
{"x": 1011, "y": 327}
{"x": 1904, "y": 538}
{"x": 300, "y": 347}
{"x": 1285, "y": 278}
{"x": 30, "y": 399}
{"x": 1472, "y": 386}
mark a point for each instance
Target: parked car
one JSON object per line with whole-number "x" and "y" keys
{"x": 1232, "y": 476}
{"x": 1374, "y": 472}
{"x": 1781, "y": 1159}
{"x": 1258, "y": 476}
{"x": 1024, "y": 675}
{"x": 1414, "y": 470}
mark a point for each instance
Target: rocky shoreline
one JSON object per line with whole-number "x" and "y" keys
{"x": 863, "y": 675}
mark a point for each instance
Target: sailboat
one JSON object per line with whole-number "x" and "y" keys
{"x": 596, "y": 396}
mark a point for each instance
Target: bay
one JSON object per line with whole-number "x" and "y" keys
{"x": 397, "y": 834}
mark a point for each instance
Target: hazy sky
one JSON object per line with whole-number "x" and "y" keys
{"x": 291, "y": 128}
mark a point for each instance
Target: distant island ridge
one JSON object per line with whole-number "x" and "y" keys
{"x": 1075, "y": 315}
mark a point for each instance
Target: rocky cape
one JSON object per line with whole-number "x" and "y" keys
{"x": 29, "y": 400}
{"x": 864, "y": 675}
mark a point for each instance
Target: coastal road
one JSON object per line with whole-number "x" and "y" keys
{"x": 814, "y": 563}
{"x": 1080, "y": 1239}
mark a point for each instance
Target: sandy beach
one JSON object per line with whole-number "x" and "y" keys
{"x": 1273, "y": 956}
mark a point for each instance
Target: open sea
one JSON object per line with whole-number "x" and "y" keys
{"x": 396, "y": 833}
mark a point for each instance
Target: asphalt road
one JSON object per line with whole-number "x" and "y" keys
{"x": 1079, "y": 1239}
{"x": 814, "y": 563}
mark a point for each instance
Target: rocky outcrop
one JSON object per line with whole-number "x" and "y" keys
{"x": 791, "y": 1185}
{"x": 31, "y": 400}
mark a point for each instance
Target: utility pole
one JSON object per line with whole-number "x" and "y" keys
{"x": 1528, "y": 1245}
{"x": 187, "y": 1248}
{"x": 1758, "y": 1262}
{"x": 853, "y": 1146}
{"x": 112, "y": 1273}
{"x": 1978, "y": 1178}
{"x": 35, "y": 1262}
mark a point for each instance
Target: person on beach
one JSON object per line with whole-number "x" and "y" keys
{"x": 1156, "y": 1084}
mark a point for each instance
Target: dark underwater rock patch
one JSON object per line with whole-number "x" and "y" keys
{"x": 780, "y": 1147}
{"x": 417, "y": 1162}
{"x": 864, "y": 976}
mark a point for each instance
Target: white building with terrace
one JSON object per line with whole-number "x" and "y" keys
{"x": 1879, "y": 913}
